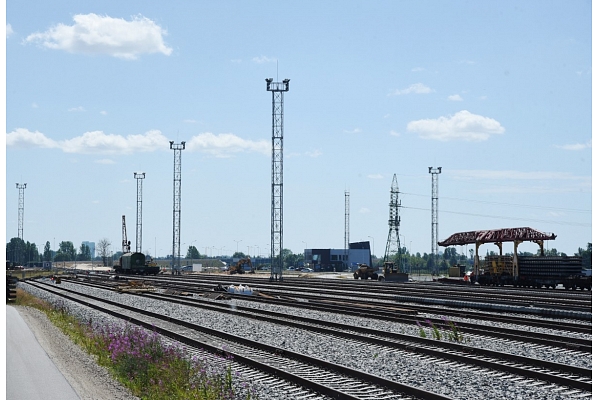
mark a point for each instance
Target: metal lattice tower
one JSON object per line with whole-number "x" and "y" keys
{"x": 21, "y": 188}
{"x": 138, "y": 221}
{"x": 393, "y": 242}
{"x": 434, "y": 216}
{"x": 176, "y": 266}
{"x": 347, "y": 226}
{"x": 277, "y": 89}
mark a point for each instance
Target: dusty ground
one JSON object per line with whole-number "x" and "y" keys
{"x": 90, "y": 381}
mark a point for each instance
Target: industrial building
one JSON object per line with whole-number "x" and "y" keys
{"x": 339, "y": 259}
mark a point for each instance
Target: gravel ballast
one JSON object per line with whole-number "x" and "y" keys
{"x": 459, "y": 382}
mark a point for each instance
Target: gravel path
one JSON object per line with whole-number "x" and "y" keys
{"x": 90, "y": 381}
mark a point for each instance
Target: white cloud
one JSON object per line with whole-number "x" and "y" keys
{"x": 575, "y": 146}
{"x": 461, "y": 126}
{"x": 89, "y": 142}
{"x": 314, "y": 153}
{"x": 237, "y": 61}
{"x": 482, "y": 97}
{"x": 418, "y": 69}
{"x": 364, "y": 210}
{"x": 76, "y": 109}
{"x": 375, "y": 176}
{"x": 190, "y": 121}
{"x": 25, "y": 139}
{"x": 394, "y": 133}
{"x": 9, "y": 30}
{"x": 455, "y": 97}
{"x": 99, "y": 142}
{"x": 263, "y": 59}
{"x": 355, "y": 130}
{"x": 34, "y": 105}
{"x": 103, "y": 112}
{"x": 96, "y": 34}
{"x": 226, "y": 144}
{"x": 417, "y": 88}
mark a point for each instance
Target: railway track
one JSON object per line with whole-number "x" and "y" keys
{"x": 517, "y": 368}
{"x": 400, "y": 315}
{"x": 367, "y": 302}
{"x": 329, "y": 379}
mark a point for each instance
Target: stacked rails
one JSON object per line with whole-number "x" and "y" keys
{"x": 11, "y": 288}
{"x": 550, "y": 266}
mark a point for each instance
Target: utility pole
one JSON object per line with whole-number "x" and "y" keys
{"x": 177, "y": 148}
{"x": 277, "y": 89}
{"x": 434, "y": 216}
{"x": 138, "y": 222}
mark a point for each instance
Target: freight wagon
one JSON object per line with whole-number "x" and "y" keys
{"x": 534, "y": 272}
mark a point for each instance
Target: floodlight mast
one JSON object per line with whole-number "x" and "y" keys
{"x": 138, "y": 222}
{"x": 434, "y": 216}
{"x": 21, "y": 188}
{"x": 277, "y": 89}
{"x": 176, "y": 256}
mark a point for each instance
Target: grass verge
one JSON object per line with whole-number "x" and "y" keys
{"x": 140, "y": 361}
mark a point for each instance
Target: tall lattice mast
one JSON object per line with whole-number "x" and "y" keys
{"x": 393, "y": 241}
{"x": 21, "y": 188}
{"x": 434, "y": 216}
{"x": 347, "y": 227}
{"x": 177, "y": 148}
{"x": 138, "y": 221}
{"x": 277, "y": 89}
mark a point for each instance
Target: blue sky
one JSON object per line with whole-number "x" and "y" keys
{"x": 497, "y": 93}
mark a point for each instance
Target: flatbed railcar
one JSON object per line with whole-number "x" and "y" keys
{"x": 534, "y": 272}
{"x": 135, "y": 264}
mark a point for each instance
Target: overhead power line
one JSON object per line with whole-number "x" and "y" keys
{"x": 506, "y": 218}
{"x": 505, "y": 204}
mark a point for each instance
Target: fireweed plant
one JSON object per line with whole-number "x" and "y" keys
{"x": 144, "y": 363}
{"x": 449, "y": 331}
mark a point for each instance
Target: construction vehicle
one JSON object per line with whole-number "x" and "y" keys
{"x": 365, "y": 272}
{"x": 391, "y": 273}
{"x": 239, "y": 267}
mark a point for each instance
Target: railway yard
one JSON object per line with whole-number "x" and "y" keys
{"x": 315, "y": 338}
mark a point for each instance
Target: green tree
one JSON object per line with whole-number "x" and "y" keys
{"x": 192, "y": 253}
{"x": 238, "y": 254}
{"x": 66, "y": 252}
{"x": 47, "y": 252}
{"x": 586, "y": 255}
{"x": 20, "y": 252}
{"x": 84, "y": 253}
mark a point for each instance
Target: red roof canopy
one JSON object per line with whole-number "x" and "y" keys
{"x": 497, "y": 235}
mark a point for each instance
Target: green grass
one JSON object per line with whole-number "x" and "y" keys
{"x": 140, "y": 361}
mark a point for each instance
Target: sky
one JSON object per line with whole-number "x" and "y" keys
{"x": 496, "y": 93}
